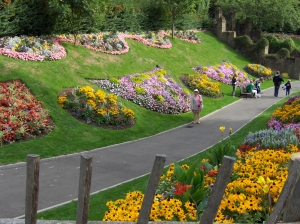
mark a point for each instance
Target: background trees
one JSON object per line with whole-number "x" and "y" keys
{"x": 266, "y": 15}
{"x": 38, "y": 17}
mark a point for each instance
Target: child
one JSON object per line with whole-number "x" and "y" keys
{"x": 287, "y": 87}
{"x": 257, "y": 83}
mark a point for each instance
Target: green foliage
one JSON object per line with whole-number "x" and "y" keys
{"x": 262, "y": 43}
{"x": 243, "y": 43}
{"x": 194, "y": 177}
{"x": 266, "y": 15}
{"x": 114, "y": 80}
{"x": 225, "y": 149}
{"x": 283, "y": 53}
{"x": 289, "y": 44}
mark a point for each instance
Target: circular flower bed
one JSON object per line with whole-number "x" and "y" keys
{"x": 204, "y": 84}
{"x": 32, "y": 48}
{"x": 22, "y": 116}
{"x": 154, "y": 90}
{"x": 223, "y": 73}
{"x": 96, "y": 107}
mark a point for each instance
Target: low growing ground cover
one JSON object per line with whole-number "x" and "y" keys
{"x": 154, "y": 90}
{"x": 42, "y": 48}
{"x": 96, "y": 107}
{"x": 22, "y": 116}
{"x": 223, "y": 72}
{"x": 258, "y": 70}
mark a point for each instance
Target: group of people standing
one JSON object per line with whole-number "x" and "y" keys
{"x": 253, "y": 87}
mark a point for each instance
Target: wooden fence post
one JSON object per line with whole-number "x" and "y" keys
{"x": 292, "y": 209}
{"x": 32, "y": 188}
{"x": 151, "y": 189}
{"x": 85, "y": 178}
{"x": 286, "y": 192}
{"x": 218, "y": 190}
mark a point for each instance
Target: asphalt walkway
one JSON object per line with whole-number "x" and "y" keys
{"x": 115, "y": 164}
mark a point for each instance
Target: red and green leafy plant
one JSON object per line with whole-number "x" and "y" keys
{"x": 22, "y": 116}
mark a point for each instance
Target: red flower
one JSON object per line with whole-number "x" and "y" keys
{"x": 212, "y": 173}
{"x": 181, "y": 189}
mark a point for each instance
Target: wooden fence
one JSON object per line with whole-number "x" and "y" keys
{"x": 287, "y": 204}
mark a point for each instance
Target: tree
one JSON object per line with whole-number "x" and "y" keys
{"x": 176, "y": 8}
{"x": 265, "y": 14}
{"x": 79, "y": 12}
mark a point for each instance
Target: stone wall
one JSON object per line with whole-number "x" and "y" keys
{"x": 286, "y": 65}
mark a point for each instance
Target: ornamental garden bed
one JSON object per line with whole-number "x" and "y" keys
{"x": 155, "y": 90}
{"x": 96, "y": 108}
{"x": 22, "y": 116}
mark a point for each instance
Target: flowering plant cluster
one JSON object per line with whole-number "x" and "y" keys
{"x": 96, "y": 107}
{"x": 273, "y": 139}
{"x": 42, "y": 48}
{"x": 203, "y": 83}
{"x": 22, "y": 116}
{"x": 259, "y": 71}
{"x": 186, "y": 35}
{"x": 287, "y": 115}
{"x": 153, "y": 39}
{"x": 223, "y": 73}
{"x": 255, "y": 185}
{"x": 154, "y": 90}
{"x": 103, "y": 42}
{"x": 171, "y": 202}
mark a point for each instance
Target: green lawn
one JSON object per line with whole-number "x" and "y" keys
{"x": 47, "y": 79}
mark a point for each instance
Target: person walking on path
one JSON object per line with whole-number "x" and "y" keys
{"x": 196, "y": 105}
{"x": 287, "y": 87}
{"x": 233, "y": 83}
{"x": 277, "y": 80}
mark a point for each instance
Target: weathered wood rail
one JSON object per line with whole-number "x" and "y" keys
{"x": 287, "y": 204}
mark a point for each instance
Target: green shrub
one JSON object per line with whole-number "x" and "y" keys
{"x": 243, "y": 42}
{"x": 262, "y": 43}
{"x": 114, "y": 80}
{"x": 288, "y": 44}
{"x": 283, "y": 53}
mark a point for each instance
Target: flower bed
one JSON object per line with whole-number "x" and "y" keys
{"x": 204, "y": 84}
{"x": 154, "y": 90}
{"x": 259, "y": 71}
{"x": 257, "y": 180}
{"x": 22, "y": 116}
{"x": 223, "y": 73}
{"x": 185, "y": 35}
{"x": 103, "y": 42}
{"x": 96, "y": 107}
{"x": 287, "y": 115}
{"x": 153, "y": 39}
{"x": 32, "y": 48}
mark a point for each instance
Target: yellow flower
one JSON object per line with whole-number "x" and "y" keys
{"x": 222, "y": 128}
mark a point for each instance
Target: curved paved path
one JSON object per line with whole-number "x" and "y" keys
{"x": 115, "y": 164}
